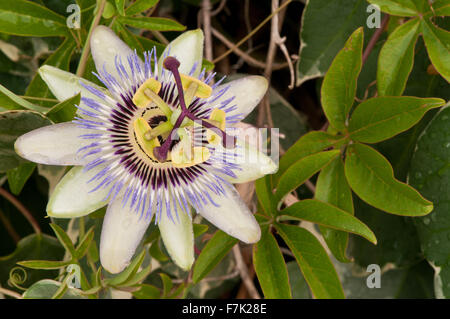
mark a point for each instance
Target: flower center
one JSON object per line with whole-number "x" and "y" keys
{"x": 185, "y": 154}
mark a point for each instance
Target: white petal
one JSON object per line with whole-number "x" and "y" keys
{"x": 72, "y": 196}
{"x": 247, "y": 92}
{"x": 232, "y": 216}
{"x": 105, "y": 46}
{"x": 56, "y": 144}
{"x": 188, "y": 49}
{"x": 178, "y": 238}
{"x": 65, "y": 84}
{"x": 122, "y": 232}
{"x": 253, "y": 164}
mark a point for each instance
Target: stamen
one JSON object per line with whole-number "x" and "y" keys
{"x": 148, "y": 93}
{"x": 141, "y": 128}
{"x": 217, "y": 118}
{"x": 159, "y": 130}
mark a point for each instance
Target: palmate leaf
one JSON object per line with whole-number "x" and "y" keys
{"x": 270, "y": 267}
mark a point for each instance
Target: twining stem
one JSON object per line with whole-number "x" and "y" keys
{"x": 10, "y": 293}
{"x": 9, "y": 228}
{"x": 25, "y": 212}
{"x": 244, "y": 39}
{"x": 87, "y": 46}
{"x": 373, "y": 40}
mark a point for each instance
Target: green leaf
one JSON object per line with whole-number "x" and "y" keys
{"x": 64, "y": 239}
{"x": 84, "y": 244}
{"x": 152, "y": 24}
{"x": 371, "y": 177}
{"x": 430, "y": 173}
{"x": 46, "y": 289}
{"x": 214, "y": 251}
{"x": 326, "y": 26}
{"x": 26, "y": 18}
{"x": 137, "y": 278}
{"x": 404, "y": 8}
{"x": 139, "y": 6}
{"x": 380, "y": 118}
{"x": 207, "y": 65}
{"x": 17, "y": 177}
{"x": 310, "y": 143}
{"x": 437, "y": 41}
{"x": 339, "y": 85}
{"x": 128, "y": 37}
{"x": 34, "y": 247}
{"x": 12, "y": 125}
{"x": 167, "y": 284}
{"x": 199, "y": 229}
{"x": 149, "y": 44}
{"x": 313, "y": 260}
{"x": 271, "y": 268}
{"x": 396, "y": 59}
{"x": 299, "y": 286}
{"x": 44, "y": 264}
{"x": 398, "y": 242}
{"x": 155, "y": 251}
{"x": 120, "y": 7}
{"x": 64, "y": 111}
{"x": 436, "y": 85}
{"x": 129, "y": 272}
{"x": 301, "y": 170}
{"x": 315, "y": 211}
{"x": 60, "y": 59}
{"x": 332, "y": 188}
{"x": 147, "y": 291}
{"x": 10, "y": 101}
{"x": 263, "y": 188}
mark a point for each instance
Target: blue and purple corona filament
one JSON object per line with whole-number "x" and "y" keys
{"x": 153, "y": 186}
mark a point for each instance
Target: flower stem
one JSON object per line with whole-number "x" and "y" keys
{"x": 87, "y": 46}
